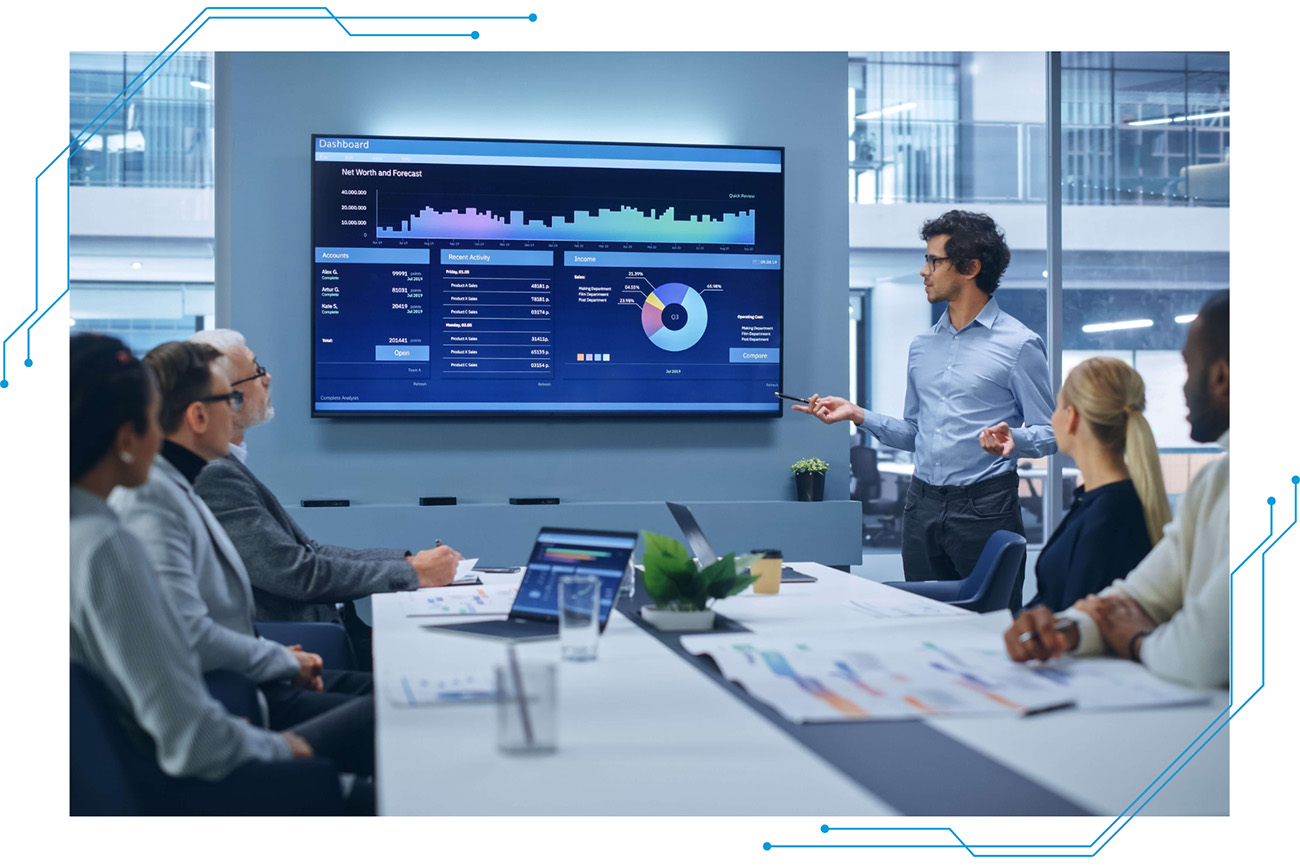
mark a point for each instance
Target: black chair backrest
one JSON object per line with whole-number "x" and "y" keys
{"x": 990, "y": 582}
{"x": 863, "y": 470}
{"x": 104, "y": 765}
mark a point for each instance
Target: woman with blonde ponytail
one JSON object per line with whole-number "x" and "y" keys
{"x": 1120, "y": 511}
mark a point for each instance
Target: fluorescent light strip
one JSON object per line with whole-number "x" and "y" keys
{"x": 202, "y": 85}
{"x": 1118, "y": 326}
{"x": 893, "y": 109}
{"x": 1180, "y": 118}
{"x": 1185, "y": 318}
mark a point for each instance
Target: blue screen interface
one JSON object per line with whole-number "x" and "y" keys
{"x": 558, "y": 554}
{"x": 454, "y": 276}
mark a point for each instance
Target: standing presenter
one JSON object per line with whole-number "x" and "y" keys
{"x": 979, "y": 397}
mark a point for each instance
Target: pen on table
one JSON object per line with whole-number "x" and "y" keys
{"x": 1060, "y": 624}
{"x": 791, "y": 397}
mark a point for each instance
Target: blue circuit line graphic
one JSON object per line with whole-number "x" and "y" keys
{"x": 197, "y": 23}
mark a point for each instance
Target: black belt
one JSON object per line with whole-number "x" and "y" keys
{"x": 943, "y": 492}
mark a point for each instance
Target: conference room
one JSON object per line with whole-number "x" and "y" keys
{"x": 520, "y": 409}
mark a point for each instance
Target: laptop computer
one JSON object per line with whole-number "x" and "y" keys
{"x": 535, "y": 615}
{"x": 703, "y": 551}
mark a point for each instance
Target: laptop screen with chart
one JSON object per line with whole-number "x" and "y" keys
{"x": 459, "y": 276}
{"x": 557, "y": 553}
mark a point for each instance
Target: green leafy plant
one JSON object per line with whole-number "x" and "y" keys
{"x": 810, "y": 465}
{"x": 675, "y": 582}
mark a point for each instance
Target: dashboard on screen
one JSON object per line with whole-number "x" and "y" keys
{"x": 459, "y": 276}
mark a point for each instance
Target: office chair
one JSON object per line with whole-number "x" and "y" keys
{"x": 988, "y": 586}
{"x": 236, "y": 692}
{"x": 867, "y": 487}
{"x": 327, "y": 640}
{"x": 109, "y": 775}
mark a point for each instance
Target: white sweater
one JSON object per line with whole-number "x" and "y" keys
{"x": 1183, "y": 585}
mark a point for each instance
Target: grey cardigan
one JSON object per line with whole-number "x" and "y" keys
{"x": 293, "y": 577}
{"x": 201, "y": 574}
{"x": 128, "y": 636}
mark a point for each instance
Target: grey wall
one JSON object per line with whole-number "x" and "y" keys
{"x": 269, "y": 104}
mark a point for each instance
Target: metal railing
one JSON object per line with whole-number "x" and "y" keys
{"x": 900, "y": 161}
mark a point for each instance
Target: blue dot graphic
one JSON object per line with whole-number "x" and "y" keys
{"x": 1272, "y": 501}
{"x": 4, "y": 383}
{"x": 27, "y": 363}
{"x": 474, "y": 35}
{"x": 825, "y": 828}
{"x": 1295, "y": 480}
{"x": 767, "y": 847}
{"x": 532, "y": 17}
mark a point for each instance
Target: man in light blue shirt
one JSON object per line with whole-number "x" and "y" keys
{"x": 979, "y": 397}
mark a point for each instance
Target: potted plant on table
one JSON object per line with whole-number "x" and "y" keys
{"x": 681, "y": 590}
{"x": 810, "y": 479}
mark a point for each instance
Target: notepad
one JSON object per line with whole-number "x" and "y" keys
{"x": 465, "y": 573}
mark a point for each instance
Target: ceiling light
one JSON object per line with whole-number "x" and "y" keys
{"x": 1118, "y": 326}
{"x": 136, "y": 266}
{"x": 1185, "y": 318}
{"x": 201, "y": 85}
{"x": 893, "y": 109}
{"x": 1180, "y": 118}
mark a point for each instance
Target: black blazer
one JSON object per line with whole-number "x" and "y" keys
{"x": 1102, "y": 538}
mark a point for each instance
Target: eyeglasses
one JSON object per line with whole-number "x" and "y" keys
{"x": 235, "y": 398}
{"x": 261, "y": 371}
{"x": 932, "y": 261}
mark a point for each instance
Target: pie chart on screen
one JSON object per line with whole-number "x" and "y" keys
{"x": 674, "y": 317}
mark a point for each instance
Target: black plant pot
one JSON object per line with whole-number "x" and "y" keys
{"x": 810, "y": 487}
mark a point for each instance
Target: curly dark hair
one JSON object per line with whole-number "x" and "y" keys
{"x": 972, "y": 236}
{"x": 108, "y": 387}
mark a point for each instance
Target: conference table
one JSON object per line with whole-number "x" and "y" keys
{"x": 647, "y": 729}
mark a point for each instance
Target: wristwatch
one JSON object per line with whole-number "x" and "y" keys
{"x": 1133, "y": 644}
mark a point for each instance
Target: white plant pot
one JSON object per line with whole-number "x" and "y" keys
{"x": 677, "y": 621}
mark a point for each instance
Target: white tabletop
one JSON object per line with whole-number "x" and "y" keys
{"x": 638, "y": 723}
{"x": 641, "y": 732}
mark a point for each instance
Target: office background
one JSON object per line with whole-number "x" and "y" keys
{"x": 1146, "y": 148}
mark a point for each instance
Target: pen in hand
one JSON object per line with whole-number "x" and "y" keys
{"x": 1060, "y": 624}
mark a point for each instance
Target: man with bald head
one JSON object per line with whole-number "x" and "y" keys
{"x": 293, "y": 577}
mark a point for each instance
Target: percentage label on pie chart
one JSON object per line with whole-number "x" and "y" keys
{"x": 674, "y": 317}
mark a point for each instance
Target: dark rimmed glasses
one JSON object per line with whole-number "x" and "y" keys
{"x": 932, "y": 261}
{"x": 261, "y": 371}
{"x": 235, "y": 398}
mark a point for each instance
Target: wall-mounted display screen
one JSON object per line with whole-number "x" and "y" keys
{"x": 458, "y": 276}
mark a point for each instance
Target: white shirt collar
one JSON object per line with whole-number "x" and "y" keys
{"x": 239, "y": 452}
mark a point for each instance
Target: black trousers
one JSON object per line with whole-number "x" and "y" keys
{"x": 945, "y": 527}
{"x": 338, "y": 722}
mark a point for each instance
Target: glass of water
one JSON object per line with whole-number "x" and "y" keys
{"x": 526, "y": 707}
{"x": 579, "y": 617}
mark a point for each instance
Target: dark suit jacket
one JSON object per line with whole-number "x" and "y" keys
{"x": 293, "y": 578}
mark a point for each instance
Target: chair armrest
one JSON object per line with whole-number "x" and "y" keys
{"x": 237, "y": 692}
{"x": 941, "y": 591}
{"x": 329, "y": 640}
